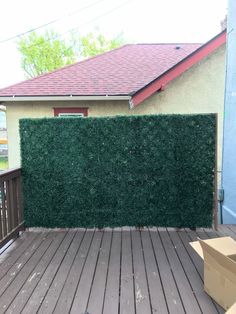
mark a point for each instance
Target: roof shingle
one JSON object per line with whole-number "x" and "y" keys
{"x": 122, "y": 71}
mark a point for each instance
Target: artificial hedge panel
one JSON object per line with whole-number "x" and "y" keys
{"x": 118, "y": 171}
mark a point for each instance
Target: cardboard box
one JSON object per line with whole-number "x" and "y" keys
{"x": 232, "y": 310}
{"x": 219, "y": 256}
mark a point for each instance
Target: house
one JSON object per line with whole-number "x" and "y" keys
{"x": 131, "y": 80}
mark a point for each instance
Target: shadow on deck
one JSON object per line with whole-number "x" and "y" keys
{"x": 110, "y": 271}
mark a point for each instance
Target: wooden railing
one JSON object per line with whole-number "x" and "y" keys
{"x": 11, "y": 210}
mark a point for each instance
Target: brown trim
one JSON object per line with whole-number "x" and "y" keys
{"x": 178, "y": 69}
{"x": 59, "y": 110}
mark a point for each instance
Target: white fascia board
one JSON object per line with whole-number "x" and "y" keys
{"x": 61, "y": 98}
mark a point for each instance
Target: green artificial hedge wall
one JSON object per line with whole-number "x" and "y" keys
{"x": 119, "y": 171}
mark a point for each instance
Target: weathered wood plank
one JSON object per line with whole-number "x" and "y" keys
{"x": 111, "y": 299}
{"x": 187, "y": 296}
{"x": 53, "y": 294}
{"x": 211, "y": 233}
{"x": 20, "y": 199}
{"x": 127, "y": 301}
{"x": 83, "y": 290}
{"x": 29, "y": 285}
{"x": 173, "y": 299}
{"x": 67, "y": 295}
{"x": 142, "y": 297}
{"x": 196, "y": 259}
{"x": 1, "y": 225}
{"x": 13, "y": 203}
{"x": 157, "y": 295}
{"x": 96, "y": 299}
{"x": 14, "y": 246}
{"x": 17, "y": 267}
{"x": 12, "y": 235}
{"x": 13, "y": 289}
{"x": 232, "y": 228}
{"x": 8, "y": 207}
{"x": 226, "y": 231}
{"x": 40, "y": 291}
{"x": 99, "y": 273}
{"x": 4, "y": 220}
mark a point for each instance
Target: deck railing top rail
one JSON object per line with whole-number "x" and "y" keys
{"x": 9, "y": 174}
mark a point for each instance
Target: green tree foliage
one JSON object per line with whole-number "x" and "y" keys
{"x": 46, "y": 52}
{"x": 94, "y": 44}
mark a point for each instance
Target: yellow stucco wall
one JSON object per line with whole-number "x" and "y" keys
{"x": 198, "y": 90}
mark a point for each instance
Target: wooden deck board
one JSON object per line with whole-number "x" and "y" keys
{"x": 142, "y": 296}
{"x": 96, "y": 298}
{"x": 53, "y": 294}
{"x": 188, "y": 298}
{"x": 67, "y": 295}
{"x": 228, "y": 231}
{"x": 127, "y": 302}
{"x": 41, "y": 289}
{"x": 119, "y": 271}
{"x": 171, "y": 292}
{"x": 27, "y": 289}
{"x": 81, "y": 299}
{"x": 8, "y": 260}
{"x": 19, "y": 280}
{"x": 111, "y": 299}
{"x": 157, "y": 296}
{"x": 16, "y": 268}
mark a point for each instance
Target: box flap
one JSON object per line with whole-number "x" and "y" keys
{"x": 232, "y": 309}
{"x": 217, "y": 255}
{"x": 197, "y": 247}
{"x": 225, "y": 245}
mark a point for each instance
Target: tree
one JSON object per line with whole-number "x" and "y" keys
{"x": 94, "y": 44}
{"x": 43, "y": 53}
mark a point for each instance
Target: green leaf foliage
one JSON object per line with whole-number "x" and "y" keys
{"x": 94, "y": 44}
{"x": 44, "y": 53}
{"x": 118, "y": 171}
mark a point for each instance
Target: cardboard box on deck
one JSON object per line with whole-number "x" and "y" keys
{"x": 232, "y": 310}
{"x": 219, "y": 257}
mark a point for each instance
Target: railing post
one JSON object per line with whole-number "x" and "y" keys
{"x": 4, "y": 220}
{"x": 11, "y": 211}
{"x": 20, "y": 198}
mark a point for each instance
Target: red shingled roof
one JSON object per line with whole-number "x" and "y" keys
{"x": 123, "y": 71}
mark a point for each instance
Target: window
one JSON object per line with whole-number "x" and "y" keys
{"x": 63, "y": 114}
{"x": 69, "y": 112}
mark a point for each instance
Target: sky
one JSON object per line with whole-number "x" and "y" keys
{"x": 139, "y": 21}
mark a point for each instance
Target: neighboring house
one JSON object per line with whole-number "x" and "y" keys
{"x": 133, "y": 79}
{"x": 3, "y": 134}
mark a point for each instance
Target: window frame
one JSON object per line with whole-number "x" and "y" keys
{"x": 82, "y": 111}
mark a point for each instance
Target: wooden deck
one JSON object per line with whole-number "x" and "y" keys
{"x": 115, "y": 271}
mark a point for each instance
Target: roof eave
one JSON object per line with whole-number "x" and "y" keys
{"x": 63, "y": 98}
{"x": 160, "y": 82}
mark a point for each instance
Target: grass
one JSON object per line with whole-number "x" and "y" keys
{"x": 3, "y": 163}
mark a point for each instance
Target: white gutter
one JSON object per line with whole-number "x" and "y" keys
{"x": 61, "y": 98}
